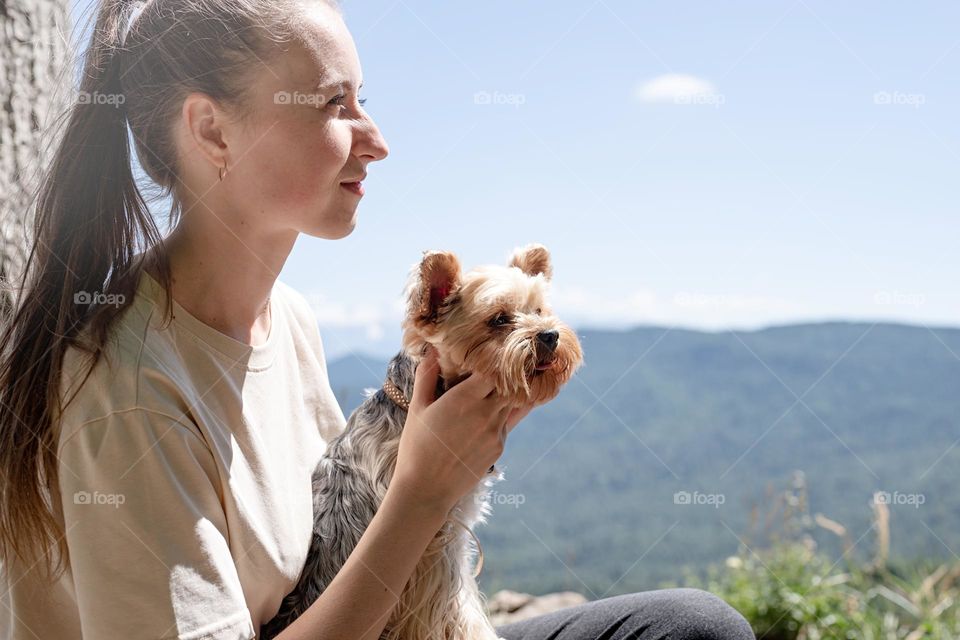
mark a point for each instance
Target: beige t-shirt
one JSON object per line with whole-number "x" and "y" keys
{"x": 184, "y": 489}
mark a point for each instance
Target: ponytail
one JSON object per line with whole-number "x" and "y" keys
{"x": 89, "y": 215}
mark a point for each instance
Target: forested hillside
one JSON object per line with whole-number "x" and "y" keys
{"x": 650, "y": 460}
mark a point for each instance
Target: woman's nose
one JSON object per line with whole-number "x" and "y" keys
{"x": 371, "y": 142}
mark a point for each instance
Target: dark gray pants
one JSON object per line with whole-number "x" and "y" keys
{"x": 663, "y": 614}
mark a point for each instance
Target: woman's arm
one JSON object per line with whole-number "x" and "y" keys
{"x": 359, "y": 600}
{"x": 446, "y": 447}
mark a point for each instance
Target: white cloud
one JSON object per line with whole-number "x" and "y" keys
{"x": 375, "y": 327}
{"x": 580, "y": 305}
{"x": 371, "y": 318}
{"x": 675, "y": 88}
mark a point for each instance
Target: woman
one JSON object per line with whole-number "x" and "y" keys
{"x": 166, "y": 399}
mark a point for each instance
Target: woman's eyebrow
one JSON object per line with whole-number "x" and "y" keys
{"x": 324, "y": 83}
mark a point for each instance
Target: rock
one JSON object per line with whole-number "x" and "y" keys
{"x": 509, "y": 606}
{"x": 507, "y": 601}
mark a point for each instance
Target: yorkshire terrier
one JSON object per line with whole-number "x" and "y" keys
{"x": 493, "y": 320}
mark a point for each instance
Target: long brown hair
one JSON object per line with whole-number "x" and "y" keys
{"x": 91, "y": 224}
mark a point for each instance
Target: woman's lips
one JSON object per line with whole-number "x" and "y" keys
{"x": 353, "y": 187}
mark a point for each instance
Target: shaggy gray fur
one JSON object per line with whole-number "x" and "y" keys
{"x": 349, "y": 484}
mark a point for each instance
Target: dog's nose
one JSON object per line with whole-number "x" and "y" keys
{"x": 549, "y": 338}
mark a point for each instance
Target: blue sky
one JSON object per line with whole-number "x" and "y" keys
{"x": 700, "y": 164}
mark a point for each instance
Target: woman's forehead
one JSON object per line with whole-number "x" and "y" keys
{"x": 328, "y": 55}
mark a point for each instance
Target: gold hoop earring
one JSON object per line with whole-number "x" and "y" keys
{"x": 222, "y": 170}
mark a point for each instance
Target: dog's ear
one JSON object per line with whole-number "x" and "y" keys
{"x": 437, "y": 276}
{"x": 532, "y": 259}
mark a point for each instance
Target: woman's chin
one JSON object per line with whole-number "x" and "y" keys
{"x": 331, "y": 230}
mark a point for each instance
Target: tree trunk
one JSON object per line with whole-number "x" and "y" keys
{"x": 35, "y": 79}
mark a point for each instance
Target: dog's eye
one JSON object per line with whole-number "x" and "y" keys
{"x": 499, "y": 320}
{"x": 538, "y": 310}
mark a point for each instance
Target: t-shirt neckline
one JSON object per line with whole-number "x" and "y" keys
{"x": 251, "y": 356}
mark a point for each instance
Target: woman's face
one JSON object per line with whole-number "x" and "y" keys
{"x": 308, "y": 137}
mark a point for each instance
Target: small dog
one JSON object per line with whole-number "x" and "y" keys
{"x": 493, "y": 320}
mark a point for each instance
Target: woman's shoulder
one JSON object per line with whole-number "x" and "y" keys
{"x": 139, "y": 367}
{"x": 149, "y": 364}
{"x": 301, "y": 312}
{"x": 299, "y": 307}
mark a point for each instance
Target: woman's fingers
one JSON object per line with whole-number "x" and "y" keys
{"x": 476, "y": 385}
{"x": 449, "y": 443}
{"x": 502, "y": 413}
{"x": 516, "y": 415}
{"x": 425, "y": 379}
{"x": 477, "y": 389}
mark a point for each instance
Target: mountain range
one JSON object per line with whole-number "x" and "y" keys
{"x": 664, "y": 453}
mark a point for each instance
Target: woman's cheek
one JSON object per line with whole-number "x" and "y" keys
{"x": 299, "y": 171}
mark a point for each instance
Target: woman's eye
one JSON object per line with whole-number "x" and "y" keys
{"x": 338, "y": 100}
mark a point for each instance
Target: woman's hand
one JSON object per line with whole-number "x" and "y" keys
{"x": 448, "y": 443}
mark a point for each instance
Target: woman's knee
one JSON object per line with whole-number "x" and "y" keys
{"x": 695, "y": 614}
{"x": 663, "y": 614}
